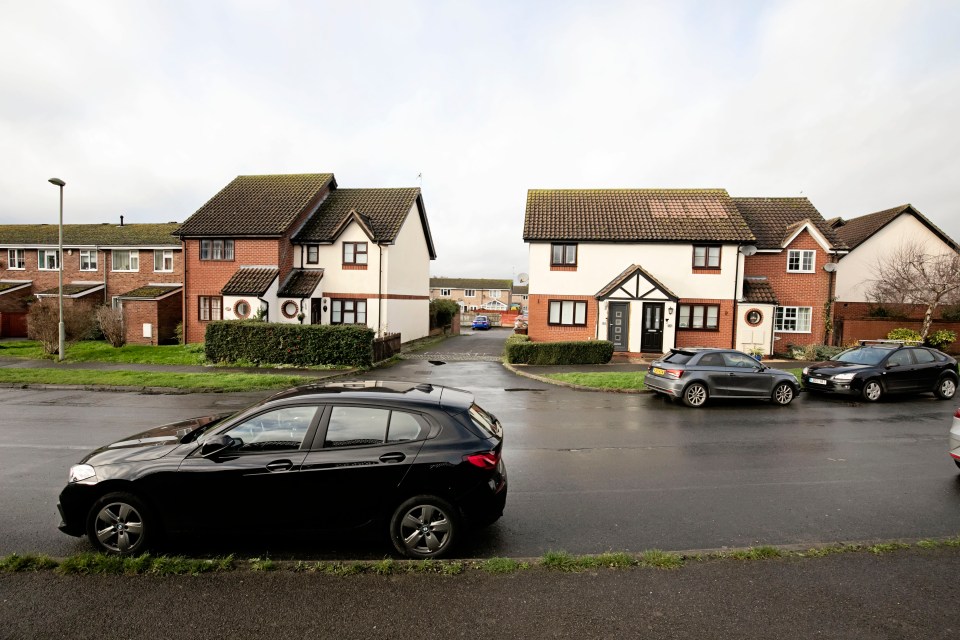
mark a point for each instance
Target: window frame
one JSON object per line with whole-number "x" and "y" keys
{"x": 41, "y": 259}
{"x": 205, "y": 303}
{"x": 780, "y": 319}
{"x": 17, "y": 257}
{"x": 323, "y": 430}
{"x": 355, "y": 259}
{"x": 162, "y": 253}
{"x": 496, "y": 293}
{"x": 573, "y": 321}
{"x": 706, "y": 256}
{"x": 444, "y": 292}
{"x": 226, "y": 246}
{"x": 800, "y": 255}
{"x": 313, "y": 254}
{"x": 691, "y": 314}
{"x": 469, "y": 293}
{"x": 133, "y": 257}
{"x": 564, "y": 258}
{"x": 92, "y": 260}
{"x": 337, "y": 306}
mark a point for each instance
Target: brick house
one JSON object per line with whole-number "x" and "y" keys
{"x": 298, "y": 249}
{"x": 474, "y": 294}
{"x": 650, "y": 269}
{"x": 103, "y": 264}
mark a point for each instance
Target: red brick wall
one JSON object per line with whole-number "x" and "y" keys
{"x": 862, "y": 310}
{"x": 120, "y": 282}
{"x": 540, "y": 330}
{"x": 878, "y": 328}
{"x": 722, "y": 338}
{"x": 796, "y": 289}
{"x": 163, "y": 314}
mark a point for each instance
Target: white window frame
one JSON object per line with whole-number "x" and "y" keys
{"x": 469, "y": 293}
{"x": 793, "y": 319}
{"x": 91, "y": 258}
{"x": 444, "y": 292}
{"x": 42, "y": 259}
{"x": 567, "y": 313}
{"x": 133, "y": 260}
{"x": 163, "y": 255}
{"x": 495, "y": 293}
{"x": 804, "y": 259}
{"x": 17, "y": 259}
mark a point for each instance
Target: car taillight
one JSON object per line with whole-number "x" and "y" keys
{"x": 957, "y": 414}
{"x": 673, "y": 373}
{"x": 484, "y": 460}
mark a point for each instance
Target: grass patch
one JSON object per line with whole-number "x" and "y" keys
{"x": 660, "y": 559}
{"x": 603, "y": 380}
{"x": 880, "y": 549}
{"x": 263, "y": 564}
{"x": 29, "y": 562}
{"x": 100, "y": 563}
{"x": 756, "y": 553}
{"x": 502, "y": 565}
{"x": 100, "y": 351}
{"x": 214, "y": 381}
{"x": 558, "y": 561}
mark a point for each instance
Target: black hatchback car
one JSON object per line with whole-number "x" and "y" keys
{"x": 418, "y": 462}
{"x": 698, "y": 374}
{"x": 879, "y": 367}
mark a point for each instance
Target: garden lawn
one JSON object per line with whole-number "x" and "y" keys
{"x": 214, "y": 381}
{"x": 100, "y": 351}
{"x": 615, "y": 380}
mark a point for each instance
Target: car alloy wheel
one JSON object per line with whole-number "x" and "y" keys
{"x": 424, "y": 527}
{"x": 946, "y": 389}
{"x": 117, "y": 524}
{"x": 872, "y": 391}
{"x": 695, "y": 395}
{"x": 783, "y": 394}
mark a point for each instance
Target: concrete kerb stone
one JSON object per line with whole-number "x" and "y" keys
{"x": 569, "y": 385}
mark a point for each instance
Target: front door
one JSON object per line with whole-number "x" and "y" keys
{"x": 618, "y": 330}
{"x": 315, "y": 305}
{"x": 652, "y": 340}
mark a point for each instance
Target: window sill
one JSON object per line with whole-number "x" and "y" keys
{"x": 563, "y": 267}
{"x": 711, "y": 329}
{"x": 354, "y": 267}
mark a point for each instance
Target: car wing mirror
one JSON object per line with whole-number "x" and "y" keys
{"x": 216, "y": 445}
{"x": 891, "y": 365}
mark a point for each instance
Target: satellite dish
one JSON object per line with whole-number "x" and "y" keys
{"x": 748, "y": 249}
{"x": 830, "y": 267}
{"x": 523, "y": 278}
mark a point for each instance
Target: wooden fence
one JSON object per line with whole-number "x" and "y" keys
{"x": 386, "y": 347}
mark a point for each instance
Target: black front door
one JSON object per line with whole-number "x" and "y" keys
{"x": 618, "y": 329}
{"x": 652, "y": 340}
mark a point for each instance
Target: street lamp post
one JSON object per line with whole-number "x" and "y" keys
{"x": 60, "y": 183}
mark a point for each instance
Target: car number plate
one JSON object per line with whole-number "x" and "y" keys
{"x": 659, "y": 371}
{"x": 818, "y": 381}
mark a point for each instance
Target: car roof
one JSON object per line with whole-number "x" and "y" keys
{"x": 409, "y": 393}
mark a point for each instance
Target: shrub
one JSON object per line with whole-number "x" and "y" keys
{"x": 178, "y": 331}
{"x": 43, "y": 323}
{"x": 904, "y": 334}
{"x": 820, "y": 351}
{"x": 941, "y": 339}
{"x": 520, "y": 351}
{"x": 442, "y": 312}
{"x": 293, "y": 344}
{"x": 111, "y": 325}
{"x": 951, "y": 313}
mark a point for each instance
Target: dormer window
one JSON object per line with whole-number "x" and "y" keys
{"x": 313, "y": 254}
{"x": 801, "y": 260}
{"x": 355, "y": 253}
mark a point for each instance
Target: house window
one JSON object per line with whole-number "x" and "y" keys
{"x": 313, "y": 254}
{"x": 48, "y": 259}
{"x": 126, "y": 260}
{"x": 354, "y": 253}
{"x": 793, "y": 319}
{"x": 242, "y": 309}
{"x": 706, "y": 257}
{"x": 163, "y": 260}
{"x": 495, "y": 293}
{"x": 210, "y": 307}
{"x": 568, "y": 312}
{"x": 563, "y": 255}
{"x": 216, "y": 249}
{"x": 88, "y": 260}
{"x": 289, "y": 309}
{"x": 801, "y": 261}
{"x": 699, "y": 316}
{"x": 444, "y": 292}
{"x": 16, "y": 259}
{"x": 349, "y": 312}
{"x": 469, "y": 293}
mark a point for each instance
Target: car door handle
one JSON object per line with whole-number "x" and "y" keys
{"x": 279, "y": 465}
{"x": 393, "y": 457}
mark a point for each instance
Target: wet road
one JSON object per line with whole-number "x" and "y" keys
{"x": 589, "y": 472}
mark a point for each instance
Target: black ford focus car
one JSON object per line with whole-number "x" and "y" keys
{"x": 879, "y": 367}
{"x": 421, "y": 463}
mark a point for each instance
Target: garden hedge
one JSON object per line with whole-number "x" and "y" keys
{"x": 520, "y": 351}
{"x": 293, "y": 344}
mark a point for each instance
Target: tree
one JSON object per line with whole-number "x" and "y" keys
{"x": 914, "y": 275}
{"x": 111, "y": 325}
{"x": 43, "y": 323}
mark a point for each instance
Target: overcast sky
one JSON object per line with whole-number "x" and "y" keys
{"x": 147, "y": 109}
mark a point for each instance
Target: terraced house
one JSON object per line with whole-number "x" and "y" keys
{"x": 651, "y": 269}
{"x": 474, "y": 294}
{"x": 296, "y": 248}
{"x": 136, "y": 267}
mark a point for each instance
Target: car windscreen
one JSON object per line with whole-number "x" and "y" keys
{"x": 862, "y": 355}
{"x": 678, "y": 357}
{"x": 485, "y": 421}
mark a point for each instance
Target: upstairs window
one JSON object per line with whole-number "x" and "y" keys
{"x": 163, "y": 260}
{"x": 88, "y": 260}
{"x": 354, "y": 253}
{"x": 706, "y": 257}
{"x": 444, "y": 292}
{"x": 801, "y": 260}
{"x": 126, "y": 260}
{"x": 563, "y": 255}
{"x": 216, "y": 249}
{"x": 469, "y": 293}
{"x": 16, "y": 259}
{"x": 495, "y": 293}
{"x": 48, "y": 259}
{"x": 313, "y": 254}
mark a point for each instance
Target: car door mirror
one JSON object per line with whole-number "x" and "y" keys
{"x": 891, "y": 365}
{"x": 216, "y": 445}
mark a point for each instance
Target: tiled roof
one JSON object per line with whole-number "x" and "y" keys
{"x": 470, "y": 283}
{"x": 128, "y": 235}
{"x": 74, "y": 290}
{"x": 257, "y": 205}
{"x": 773, "y": 219}
{"x": 758, "y": 291}
{"x": 152, "y": 291}
{"x": 301, "y": 283}
{"x": 7, "y": 285}
{"x": 250, "y": 281}
{"x": 381, "y": 210}
{"x": 521, "y": 289}
{"x": 628, "y": 273}
{"x": 633, "y": 215}
{"x": 857, "y": 230}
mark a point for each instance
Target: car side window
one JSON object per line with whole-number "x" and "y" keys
{"x": 739, "y": 360}
{"x": 712, "y": 360}
{"x": 922, "y": 356}
{"x": 901, "y": 358}
{"x": 277, "y": 430}
{"x": 403, "y": 427}
{"x": 356, "y": 426}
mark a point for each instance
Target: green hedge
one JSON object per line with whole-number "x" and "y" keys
{"x": 293, "y": 344}
{"x": 520, "y": 351}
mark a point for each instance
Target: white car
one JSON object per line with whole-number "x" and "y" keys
{"x": 955, "y": 438}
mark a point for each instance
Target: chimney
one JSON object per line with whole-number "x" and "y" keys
{"x": 121, "y": 221}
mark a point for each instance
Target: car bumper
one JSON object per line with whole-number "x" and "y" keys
{"x": 668, "y": 386}
{"x": 485, "y": 504}
{"x": 826, "y": 385}
{"x": 955, "y": 439}
{"x": 73, "y": 506}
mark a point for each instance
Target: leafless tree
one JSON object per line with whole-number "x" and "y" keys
{"x": 912, "y": 274}
{"x": 111, "y": 325}
{"x": 43, "y": 323}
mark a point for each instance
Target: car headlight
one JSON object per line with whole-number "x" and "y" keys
{"x": 82, "y": 472}
{"x": 844, "y": 377}
{"x": 806, "y": 370}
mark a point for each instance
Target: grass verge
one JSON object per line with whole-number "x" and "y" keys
{"x": 100, "y": 351}
{"x": 614, "y": 379}
{"x": 214, "y": 381}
